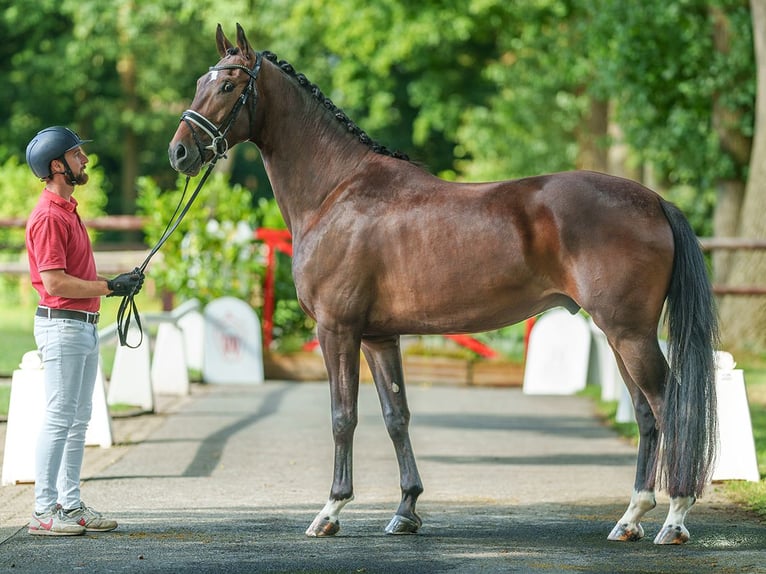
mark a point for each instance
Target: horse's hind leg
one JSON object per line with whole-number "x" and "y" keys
{"x": 643, "y": 361}
{"x": 628, "y": 527}
{"x": 673, "y": 530}
{"x": 647, "y": 365}
{"x": 385, "y": 362}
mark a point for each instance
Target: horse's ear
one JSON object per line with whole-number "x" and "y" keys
{"x": 244, "y": 46}
{"x": 222, "y": 42}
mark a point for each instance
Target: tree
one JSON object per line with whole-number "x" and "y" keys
{"x": 743, "y": 319}
{"x": 118, "y": 71}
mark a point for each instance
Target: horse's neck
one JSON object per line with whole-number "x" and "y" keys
{"x": 305, "y": 153}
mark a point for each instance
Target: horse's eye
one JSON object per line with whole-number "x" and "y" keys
{"x": 228, "y": 87}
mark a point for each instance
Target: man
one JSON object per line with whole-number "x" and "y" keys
{"x": 63, "y": 271}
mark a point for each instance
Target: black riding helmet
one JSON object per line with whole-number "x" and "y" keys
{"x": 49, "y": 144}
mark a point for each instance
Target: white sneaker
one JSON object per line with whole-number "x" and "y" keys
{"x": 89, "y": 519}
{"x": 54, "y": 523}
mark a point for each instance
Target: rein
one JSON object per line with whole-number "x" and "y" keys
{"x": 128, "y": 310}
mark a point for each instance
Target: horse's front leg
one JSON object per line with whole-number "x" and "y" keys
{"x": 341, "y": 355}
{"x": 385, "y": 361}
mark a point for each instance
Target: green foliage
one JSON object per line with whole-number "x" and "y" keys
{"x": 114, "y": 70}
{"x": 475, "y": 90}
{"x": 658, "y": 63}
{"x": 213, "y": 252}
{"x": 490, "y": 90}
{"x": 20, "y": 190}
{"x": 16, "y": 328}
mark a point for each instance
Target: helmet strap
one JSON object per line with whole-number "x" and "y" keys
{"x": 70, "y": 177}
{"x": 68, "y": 172}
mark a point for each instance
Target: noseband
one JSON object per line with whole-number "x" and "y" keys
{"x": 218, "y": 143}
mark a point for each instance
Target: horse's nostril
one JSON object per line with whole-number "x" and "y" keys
{"x": 180, "y": 152}
{"x": 177, "y": 155}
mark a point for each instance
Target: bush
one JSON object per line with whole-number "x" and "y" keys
{"x": 213, "y": 253}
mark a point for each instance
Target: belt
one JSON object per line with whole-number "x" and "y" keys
{"x": 67, "y": 314}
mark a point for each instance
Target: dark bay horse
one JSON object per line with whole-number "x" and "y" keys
{"x": 384, "y": 248}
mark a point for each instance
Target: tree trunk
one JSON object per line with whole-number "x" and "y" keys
{"x": 126, "y": 68}
{"x": 728, "y": 206}
{"x": 129, "y": 172}
{"x": 737, "y": 146}
{"x": 592, "y": 137}
{"x": 743, "y": 319}
{"x": 618, "y": 154}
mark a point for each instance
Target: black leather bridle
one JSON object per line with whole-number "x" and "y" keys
{"x": 218, "y": 143}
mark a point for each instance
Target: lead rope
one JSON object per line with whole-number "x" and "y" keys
{"x": 128, "y": 310}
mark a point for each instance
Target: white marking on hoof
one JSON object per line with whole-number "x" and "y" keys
{"x": 327, "y": 522}
{"x": 626, "y": 532}
{"x": 673, "y": 530}
{"x": 323, "y": 526}
{"x": 628, "y": 528}
{"x": 672, "y": 534}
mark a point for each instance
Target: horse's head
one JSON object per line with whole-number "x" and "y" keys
{"x": 223, "y": 108}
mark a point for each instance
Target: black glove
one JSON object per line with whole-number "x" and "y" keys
{"x": 126, "y": 283}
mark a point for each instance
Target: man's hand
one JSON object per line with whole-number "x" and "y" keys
{"x": 126, "y": 283}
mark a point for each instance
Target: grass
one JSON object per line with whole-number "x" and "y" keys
{"x": 16, "y": 337}
{"x": 5, "y": 397}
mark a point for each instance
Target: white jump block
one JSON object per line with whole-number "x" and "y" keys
{"x": 192, "y": 326}
{"x": 170, "y": 375}
{"x": 604, "y": 366}
{"x": 736, "y": 453}
{"x": 131, "y": 380}
{"x": 626, "y": 413}
{"x": 233, "y": 351}
{"x": 99, "y": 431}
{"x": 26, "y": 412}
{"x": 557, "y": 356}
{"x": 26, "y": 409}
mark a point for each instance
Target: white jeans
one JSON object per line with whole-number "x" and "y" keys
{"x": 70, "y": 355}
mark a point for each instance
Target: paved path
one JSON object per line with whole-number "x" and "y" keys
{"x": 228, "y": 479}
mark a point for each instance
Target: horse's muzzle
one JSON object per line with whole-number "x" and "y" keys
{"x": 184, "y": 159}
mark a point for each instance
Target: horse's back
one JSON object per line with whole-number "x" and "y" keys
{"x": 418, "y": 254}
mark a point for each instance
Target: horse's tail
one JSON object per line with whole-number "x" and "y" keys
{"x": 689, "y": 425}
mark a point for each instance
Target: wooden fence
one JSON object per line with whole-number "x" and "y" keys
{"x": 734, "y": 244}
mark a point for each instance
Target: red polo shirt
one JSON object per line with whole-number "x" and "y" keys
{"x": 56, "y": 239}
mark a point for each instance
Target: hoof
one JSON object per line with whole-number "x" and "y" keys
{"x": 625, "y": 532}
{"x": 323, "y": 526}
{"x": 402, "y": 525}
{"x": 677, "y": 534}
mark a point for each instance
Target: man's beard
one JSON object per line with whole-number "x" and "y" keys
{"x": 81, "y": 178}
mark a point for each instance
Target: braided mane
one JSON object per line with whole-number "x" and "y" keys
{"x": 339, "y": 115}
